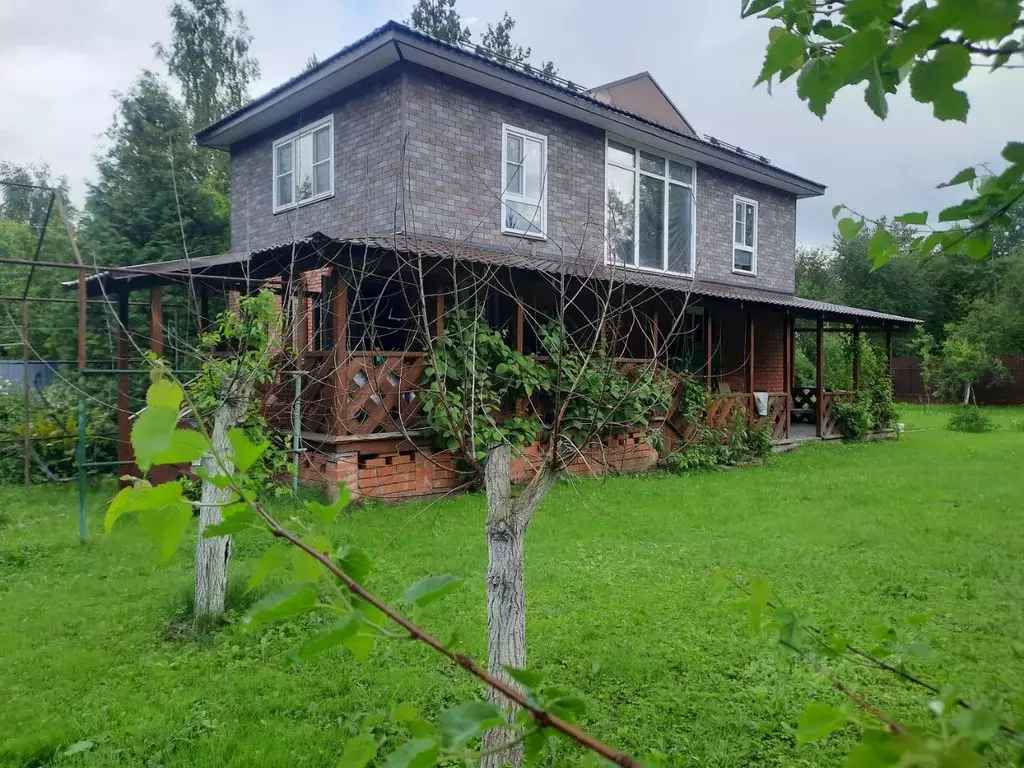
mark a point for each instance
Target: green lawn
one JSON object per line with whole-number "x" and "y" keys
{"x": 623, "y": 607}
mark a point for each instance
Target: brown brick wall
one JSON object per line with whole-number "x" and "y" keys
{"x": 768, "y": 343}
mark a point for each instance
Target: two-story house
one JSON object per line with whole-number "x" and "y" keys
{"x": 403, "y": 146}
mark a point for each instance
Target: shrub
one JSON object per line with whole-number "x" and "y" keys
{"x": 1017, "y": 425}
{"x": 711, "y": 448}
{"x": 969, "y": 418}
{"x": 854, "y": 420}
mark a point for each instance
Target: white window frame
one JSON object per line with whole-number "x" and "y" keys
{"x": 507, "y": 196}
{"x": 292, "y": 138}
{"x": 667, "y": 177}
{"x": 741, "y": 245}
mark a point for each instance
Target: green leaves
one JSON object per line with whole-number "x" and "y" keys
{"x": 816, "y": 85}
{"x": 163, "y": 512}
{"x": 245, "y": 451}
{"x": 850, "y": 228}
{"x": 359, "y": 750}
{"x": 874, "y": 93}
{"x": 757, "y": 602}
{"x": 429, "y": 589}
{"x": 272, "y": 560}
{"x": 914, "y": 218}
{"x": 785, "y": 50}
{"x": 418, "y": 753}
{"x": 819, "y": 721}
{"x": 978, "y": 725}
{"x": 326, "y": 513}
{"x": 963, "y": 177}
{"x": 355, "y": 562}
{"x": 287, "y": 603}
{"x": 465, "y": 722}
{"x": 932, "y": 81}
{"x": 155, "y": 437}
{"x": 881, "y": 246}
{"x": 305, "y": 566}
{"x": 235, "y": 518}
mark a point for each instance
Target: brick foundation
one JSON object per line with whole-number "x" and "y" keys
{"x": 407, "y": 474}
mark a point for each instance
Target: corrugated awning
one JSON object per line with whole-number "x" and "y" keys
{"x": 320, "y": 250}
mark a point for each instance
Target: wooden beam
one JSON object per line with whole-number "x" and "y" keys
{"x": 654, "y": 335}
{"x": 521, "y": 327}
{"x": 339, "y": 335}
{"x": 793, "y": 383}
{"x": 301, "y": 318}
{"x": 888, "y": 350}
{"x": 124, "y": 446}
{"x": 156, "y": 320}
{"x": 750, "y": 352}
{"x": 439, "y": 315}
{"x": 708, "y": 341}
{"x": 785, "y": 351}
{"x": 819, "y": 408}
{"x": 856, "y": 358}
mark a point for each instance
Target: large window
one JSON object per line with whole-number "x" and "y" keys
{"x": 304, "y": 165}
{"x": 650, "y": 210}
{"x": 744, "y": 247}
{"x": 524, "y": 163}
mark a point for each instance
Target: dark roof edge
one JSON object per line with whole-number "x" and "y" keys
{"x": 393, "y": 31}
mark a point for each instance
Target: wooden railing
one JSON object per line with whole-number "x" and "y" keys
{"x": 379, "y": 393}
{"x": 829, "y": 417}
{"x": 725, "y": 411}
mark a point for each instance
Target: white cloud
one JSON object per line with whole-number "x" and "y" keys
{"x": 60, "y": 61}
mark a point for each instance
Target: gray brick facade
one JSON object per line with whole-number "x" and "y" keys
{"x": 449, "y": 133}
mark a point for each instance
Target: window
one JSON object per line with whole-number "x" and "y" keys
{"x": 650, "y": 210}
{"x": 744, "y": 246}
{"x": 524, "y": 163}
{"x": 304, "y": 165}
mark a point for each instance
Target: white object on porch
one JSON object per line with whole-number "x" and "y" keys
{"x": 761, "y": 403}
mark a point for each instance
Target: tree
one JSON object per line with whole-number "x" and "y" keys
{"x": 439, "y": 19}
{"x": 953, "y": 368}
{"x": 498, "y": 41}
{"x": 152, "y": 199}
{"x": 930, "y": 48}
{"x": 209, "y": 56}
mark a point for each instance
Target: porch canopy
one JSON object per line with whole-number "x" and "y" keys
{"x": 730, "y": 316}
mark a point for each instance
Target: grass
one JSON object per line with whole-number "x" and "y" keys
{"x": 622, "y": 606}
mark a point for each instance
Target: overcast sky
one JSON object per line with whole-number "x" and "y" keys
{"x": 60, "y": 60}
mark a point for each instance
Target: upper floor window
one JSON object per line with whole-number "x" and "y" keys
{"x": 304, "y": 165}
{"x": 650, "y": 210}
{"x": 744, "y": 246}
{"x": 524, "y": 163}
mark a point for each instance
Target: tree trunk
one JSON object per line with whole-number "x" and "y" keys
{"x": 967, "y": 394}
{"x": 212, "y": 554}
{"x": 508, "y": 517}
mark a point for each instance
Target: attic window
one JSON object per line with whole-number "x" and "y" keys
{"x": 304, "y": 165}
{"x": 524, "y": 164}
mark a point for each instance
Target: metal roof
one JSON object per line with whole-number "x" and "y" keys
{"x": 360, "y": 55}
{"x": 275, "y": 260}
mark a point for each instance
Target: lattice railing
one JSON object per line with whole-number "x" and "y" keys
{"x": 778, "y": 416}
{"x": 725, "y": 410}
{"x": 829, "y": 417}
{"x": 379, "y": 392}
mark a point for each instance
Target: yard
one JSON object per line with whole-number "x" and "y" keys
{"x": 623, "y": 607}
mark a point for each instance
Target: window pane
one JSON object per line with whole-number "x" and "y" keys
{"x": 514, "y": 176}
{"x": 284, "y": 158}
{"x": 304, "y": 167}
{"x": 680, "y": 172}
{"x": 533, "y": 170}
{"x": 737, "y": 236}
{"x": 620, "y": 153}
{"x": 750, "y": 224}
{"x": 524, "y": 217}
{"x": 513, "y": 149}
{"x": 680, "y": 227}
{"x": 620, "y": 214}
{"x": 739, "y": 211}
{"x": 284, "y": 189}
{"x": 743, "y": 260}
{"x": 322, "y": 144}
{"x": 652, "y": 222}
{"x": 322, "y": 178}
{"x": 652, "y": 163}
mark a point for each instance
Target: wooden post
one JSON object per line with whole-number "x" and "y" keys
{"x": 819, "y": 416}
{"x": 888, "y": 350}
{"x": 521, "y": 327}
{"x": 786, "y": 351}
{"x": 124, "y": 447}
{"x": 654, "y": 335}
{"x": 203, "y": 318}
{"x": 792, "y": 353}
{"x": 708, "y": 336}
{"x": 301, "y": 317}
{"x": 856, "y": 357}
{"x": 750, "y": 352}
{"x": 156, "y": 320}
{"x": 339, "y": 334}
{"x": 439, "y": 312}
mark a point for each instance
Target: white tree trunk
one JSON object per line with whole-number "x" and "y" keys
{"x": 212, "y": 554}
{"x": 508, "y": 517}
{"x": 967, "y": 394}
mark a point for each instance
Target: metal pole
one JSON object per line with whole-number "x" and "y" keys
{"x": 26, "y": 421}
{"x": 296, "y": 429}
{"x": 82, "y": 489}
